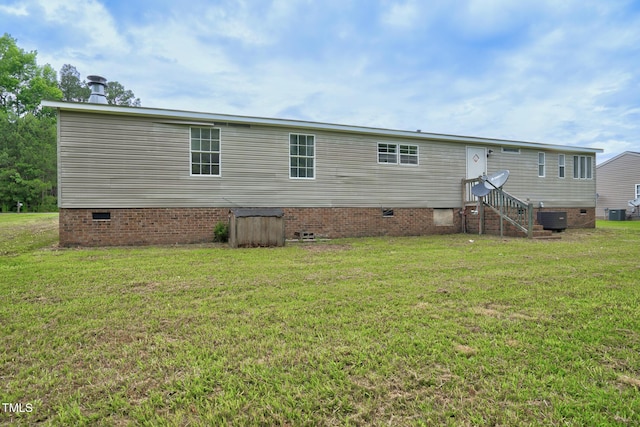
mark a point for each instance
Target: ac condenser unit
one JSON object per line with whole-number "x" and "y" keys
{"x": 556, "y": 221}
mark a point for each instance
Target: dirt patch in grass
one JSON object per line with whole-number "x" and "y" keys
{"x": 465, "y": 350}
{"x": 629, "y": 381}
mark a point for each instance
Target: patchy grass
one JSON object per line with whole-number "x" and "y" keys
{"x": 24, "y": 232}
{"x": 384, "y": 331}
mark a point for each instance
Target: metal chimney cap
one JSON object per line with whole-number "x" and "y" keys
{"x": 97, "y": 84}
{"x": 97, "y": 79}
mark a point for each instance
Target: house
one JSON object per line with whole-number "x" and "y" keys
{"x": 131, "y": 175}
{"x": 618, "y": 182}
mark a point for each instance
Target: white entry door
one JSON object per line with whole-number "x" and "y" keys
{"x": 476, "y": 162}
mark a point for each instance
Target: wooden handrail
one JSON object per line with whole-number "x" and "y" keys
{"x": 508, "y": 207}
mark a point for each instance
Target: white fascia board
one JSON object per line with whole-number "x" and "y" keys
{"x": 210, "y": 117}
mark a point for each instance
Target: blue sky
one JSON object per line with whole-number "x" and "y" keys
{"x": 560, "y": 72}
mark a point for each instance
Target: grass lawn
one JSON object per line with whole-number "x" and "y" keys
{"x": 440, "y": 330}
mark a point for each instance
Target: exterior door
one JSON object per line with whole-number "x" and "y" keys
{"x": 476, "y": 162}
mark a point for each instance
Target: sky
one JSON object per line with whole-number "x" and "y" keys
{"x": 558, "y": 71}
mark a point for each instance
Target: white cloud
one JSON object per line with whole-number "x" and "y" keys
{"x": 537, "y": 70}
{"x": 401, "y": 15}
{"x": 91, "y": 22}
{"x": 15, "y": 10}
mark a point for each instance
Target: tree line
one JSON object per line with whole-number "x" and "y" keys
{"x": 28, "y": 153}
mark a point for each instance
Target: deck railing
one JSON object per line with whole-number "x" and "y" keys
{"x": 509, "y": 208}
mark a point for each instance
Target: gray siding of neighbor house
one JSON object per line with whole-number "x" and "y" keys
{"x": 120, "y": 161}
{"x": 616, "y": 185}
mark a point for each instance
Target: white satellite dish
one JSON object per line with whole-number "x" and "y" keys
{"x": 489, "y": 182}
{"x": 496, "y": 179}
{"x": 634, "y": 203}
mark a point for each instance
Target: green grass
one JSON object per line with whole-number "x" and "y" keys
{"x": 24, "y": 232}
{"x": 438, "y": 330}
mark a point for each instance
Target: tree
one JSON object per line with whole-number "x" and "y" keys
{"x": 118, "y": 95}
{"x": 27, "y": 132}
{"x": 28, "y": 163}
{"x": 23, "y": 84}
{"x": 73, "y": 89}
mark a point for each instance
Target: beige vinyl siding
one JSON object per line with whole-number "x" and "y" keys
{"x": 553, "y": 191}
{"x": 617, "y": 181}
{"x": 111, "y": 161}
{"x": 118, "y": 161}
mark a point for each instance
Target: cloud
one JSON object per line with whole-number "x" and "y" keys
{"x": 401, "y": 15}
{"x": 537, "y": 70}
{"x": 15, "y": 10}
{"x": 89, "y": 19}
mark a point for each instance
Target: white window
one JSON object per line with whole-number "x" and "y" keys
{"x": 398, "y": 153}
{"x": 541, "y": 165}
{"x": 387, "y": 153}
{"x": 408, "y": 154}
{"x": 302, "y": 155}
{"x": 637, "y": 191}
{"x": 582, "y": 167}
{"x": 561, "y": 166}
{"x": 205, "y": 151}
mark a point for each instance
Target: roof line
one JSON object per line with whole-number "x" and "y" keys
{"x": 191, "y": 115}
{"x": 633, "y": 153}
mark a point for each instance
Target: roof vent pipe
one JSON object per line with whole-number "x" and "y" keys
{"x": 97, "y": 85}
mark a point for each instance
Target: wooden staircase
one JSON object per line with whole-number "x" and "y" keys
{"x": 509, "y": 209}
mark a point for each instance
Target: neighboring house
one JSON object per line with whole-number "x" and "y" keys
{"x": 153, "y": 176}
{"x": 618, "y": 182}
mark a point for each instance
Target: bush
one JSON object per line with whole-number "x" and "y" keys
{"x": 221, "y": 232}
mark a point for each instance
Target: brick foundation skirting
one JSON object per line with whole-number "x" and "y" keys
{"x": 161, "y": 226}
{"x": 576, "y": 218}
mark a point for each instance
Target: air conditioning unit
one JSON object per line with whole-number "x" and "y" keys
{"x": 556, "y": 221}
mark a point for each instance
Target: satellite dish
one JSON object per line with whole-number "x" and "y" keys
{"x": 496, "y": 179}
{"x": 634, "y": 203}
{"x": 489, "y": 182}
{"x": 479, "y": 190}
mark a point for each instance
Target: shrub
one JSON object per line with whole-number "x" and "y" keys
{"x": 221, "y": 232}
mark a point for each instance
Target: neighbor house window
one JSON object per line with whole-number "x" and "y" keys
{"x": 398, "y": 153}
{"x": 301, "y": 156}
{"x": 561, "y": 166}
{"x": 541, "y": 165}
{"x": 205, "y": 151}
{"x": 637, "y": 191}
{"x": 582, "y": 167}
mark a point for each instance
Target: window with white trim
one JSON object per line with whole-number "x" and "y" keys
{"x": 302, "y": 156}
{"x": 637, "y": 191}
{"x": 387, "y": 153}
{"x": 408, "y": 154}
{"x": 561, "y": 166}
{"x": 541, "y": 165}
{"x": 205, "y": 151}
{"x": 582, "y": 167}
{"x": 403, "y": 154}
